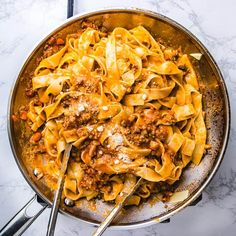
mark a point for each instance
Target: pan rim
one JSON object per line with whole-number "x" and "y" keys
{"x": 154, "y": 15}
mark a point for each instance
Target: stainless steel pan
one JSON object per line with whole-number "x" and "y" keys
{"x": 216, "y": 105}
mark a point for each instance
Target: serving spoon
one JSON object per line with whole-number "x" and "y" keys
{"x": 116, "y": 209}
{"x": 57, "y": 195}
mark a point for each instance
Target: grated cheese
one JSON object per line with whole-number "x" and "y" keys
{"x": 100, "y": 128}
{"x": 89, "y": 128}
{"x": 105, "y": 108}
{"x": 144, "y": 96}
{"x": 81, "y": 108}
{"x": 117, "y": 139}
{"x": 116, "y": 162}
{"x": 124, "y": 157}
{"x": 100, "y": 152}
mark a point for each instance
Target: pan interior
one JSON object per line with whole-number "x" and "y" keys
{"x": 215, "y": 106}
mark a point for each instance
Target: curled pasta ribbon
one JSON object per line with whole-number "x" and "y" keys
{"x": 36, "y": 116}
{"x": 117, "y": 186}
{"x": 51, "y": 62}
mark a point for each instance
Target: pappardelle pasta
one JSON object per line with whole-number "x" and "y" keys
{"x": 130, "y": 106}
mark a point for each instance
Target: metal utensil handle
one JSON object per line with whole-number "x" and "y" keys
{"x": 70, "y": 8}
{"x": 116, "y": 210}
{"x": 57, "y": 196}
{"x": 24, "y": 218}
{"x": 108, "y": 220}
{"x": 54, "y": 211}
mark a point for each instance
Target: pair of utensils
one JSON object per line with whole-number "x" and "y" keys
{"x": 58, "y": 193}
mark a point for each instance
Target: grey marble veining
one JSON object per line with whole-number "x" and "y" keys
{"x": 24, "y": 22}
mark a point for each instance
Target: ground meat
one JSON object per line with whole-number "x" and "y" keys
{"x": 137, "y": 139}
{"x": 171, "y": 54}
{"x": 150, "y": 116}
{"x": 162, "y": 133}
{"x": 51, "y": 41}
{"x": 166, "y": 196}
{"x": 65, "y": 102}
{"x": 81, "y": 132}
{"x": 89, "y": 24}
{"x": 75, "y": 121}
{"x": 14, "y": 117}
{"x": 84, "y": 117}
{"x": 29, "y": 92}
{"x": 92, "y": 179}
{"x": 94, "y": 134}
{"x": 52, "y": 46}
{"x": 69, "y": 122}
{"x": 149, "y": 128}
{"x": 130, "y": 121}
{"x": 143, "y": 135}
{"x": 49, "y": 51}
{"x": 137, "y": 135}
{"x": 40, "y": 148}
{"x": 107, "y": 187}
{"x": 85, "y": 84}
{"x": 168, "y": 117}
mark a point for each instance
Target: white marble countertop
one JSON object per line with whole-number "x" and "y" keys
{"x": 23, "y": 22}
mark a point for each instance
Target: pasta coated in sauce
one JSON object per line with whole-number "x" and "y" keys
{"x": 130, "y": 106}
